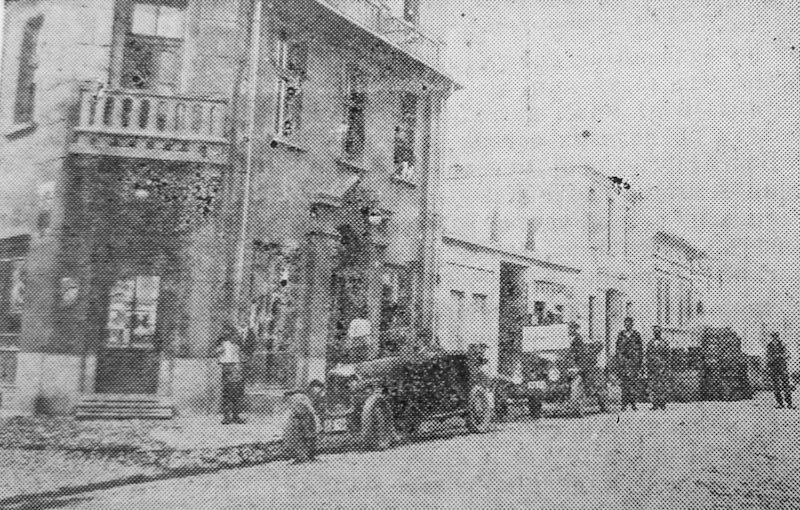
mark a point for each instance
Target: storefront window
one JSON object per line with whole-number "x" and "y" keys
{"x": 132, "y": 312}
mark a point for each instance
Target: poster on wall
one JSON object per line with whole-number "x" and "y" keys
{"x": 17, "y": 291}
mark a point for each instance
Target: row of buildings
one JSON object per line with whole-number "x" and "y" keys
{"x": 544, "y": 246}
{"x": 168, "y": 167}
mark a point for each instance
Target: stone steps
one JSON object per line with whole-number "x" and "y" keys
{"x": 120, "y": 407}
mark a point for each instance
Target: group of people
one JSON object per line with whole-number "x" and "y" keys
{"x": 630, "y": 363}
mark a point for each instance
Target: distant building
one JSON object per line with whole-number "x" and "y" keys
{"x": 167, "y": 167}
{"x": 553, "y": 245}
{"x": 674, "y": 288}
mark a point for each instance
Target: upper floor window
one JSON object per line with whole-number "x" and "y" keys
{"x": 404, "y": 9}
{"x": 530, "y": 234}
{"x": 609, "y": 223}
{"x": 26, "y": 86}
{"x": 153, "y": 50}
{"x": 627, "y": 231}
{"x": 404, "y": 136}
{"x": 355, "y": 103}
{"x": 157, "y": 20}
{"x": 291, "y": 60}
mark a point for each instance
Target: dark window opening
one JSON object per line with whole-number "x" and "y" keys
{"x": 356, "y": 100}
{"x": 292, "y": 59}
{"x": 411, "y": 11}
{"x": 404, "y": 136}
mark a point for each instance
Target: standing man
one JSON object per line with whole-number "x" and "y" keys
{"x": 230, "y": 359}
{"x": 779, "y": 375}
{"x": 585, "y": 360}
{"x": 629, "y": 363}
{"x": 658, "y": 369}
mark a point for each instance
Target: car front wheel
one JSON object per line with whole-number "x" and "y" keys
{"x": 479, "y": 413}
{"x": 377, "y": 423}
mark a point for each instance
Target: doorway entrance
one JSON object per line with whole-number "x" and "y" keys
{"x": 615, "y": 315}
{"x": 513, "y": 315}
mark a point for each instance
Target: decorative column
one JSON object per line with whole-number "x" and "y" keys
{"x": 320, "y": 252}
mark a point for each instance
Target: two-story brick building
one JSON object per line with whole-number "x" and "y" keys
{"x": 170, "y": 166}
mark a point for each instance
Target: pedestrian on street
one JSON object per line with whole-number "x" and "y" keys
{"x": 778, "y": 372}
{"x": 658, "y": 369}
{"x": 629, "y": 363}
{"x": 585, "y": 359}
{"x": 302, "y": 424}
{"x": 229, "y": 355}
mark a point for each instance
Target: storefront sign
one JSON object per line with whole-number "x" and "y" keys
{"x": 545, "y": 338}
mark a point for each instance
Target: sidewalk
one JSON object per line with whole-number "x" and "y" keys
{"x": 63, "y": 455}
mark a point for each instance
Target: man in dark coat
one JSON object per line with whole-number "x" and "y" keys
{"x": 585, "y": 359}
{"x": 779, "y": 375}
{"x": 658, "y": 370}
{"x": 629, "y": 363}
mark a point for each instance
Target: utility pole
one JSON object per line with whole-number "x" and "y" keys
{"x": 241, "y": 249}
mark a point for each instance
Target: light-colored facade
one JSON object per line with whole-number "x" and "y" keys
{"x": 171, "y": 166}
{"x": 563, "y": 240}
{"x": 674, "y": 287}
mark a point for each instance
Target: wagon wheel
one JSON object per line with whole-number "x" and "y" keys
{"x": 501, "y": 407}
{"x": 577, "y": 396}
{"x": 479, "y": 412}
{"x": 377, "y": 423}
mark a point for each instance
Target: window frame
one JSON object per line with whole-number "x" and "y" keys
{"x": 27, "y": 64}
{"x": 289, "y": 76}
{"x": 356, "y": 83}
{"x": 125, "y": 36}
{"x": 408, "y": 118}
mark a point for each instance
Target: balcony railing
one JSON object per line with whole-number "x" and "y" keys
{"x": 138, "y": 124}
{"x": 378, "y": 19}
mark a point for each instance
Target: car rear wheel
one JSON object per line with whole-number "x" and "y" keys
{"x": 377, "y": 423}
{"x": 479, "y": 413}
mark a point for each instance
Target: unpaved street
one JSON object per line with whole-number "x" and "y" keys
{"x": 703, "y": 455}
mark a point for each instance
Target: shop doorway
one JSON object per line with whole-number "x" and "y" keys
{"x": 513, "y": 315}
{"x": 128, "y": 361}
{"x": 615, "y": 315}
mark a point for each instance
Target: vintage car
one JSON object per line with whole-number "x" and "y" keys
{"x": 723, "y": 366}
{"x": 382, "y": 400}
{"x": 546, "y": 372}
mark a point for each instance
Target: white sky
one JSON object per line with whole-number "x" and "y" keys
{"x": 694, "y": 101}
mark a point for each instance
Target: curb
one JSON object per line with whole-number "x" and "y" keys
{"x": 173, "y": 463}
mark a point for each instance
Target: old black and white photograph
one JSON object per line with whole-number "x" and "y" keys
{"x": 399, "y": 254}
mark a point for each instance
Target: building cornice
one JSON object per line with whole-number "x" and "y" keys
{"x": 511, "y": 255}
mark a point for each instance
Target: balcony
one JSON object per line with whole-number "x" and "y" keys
{"x": 376, "y": 18}
{"x": 137, "y": 124}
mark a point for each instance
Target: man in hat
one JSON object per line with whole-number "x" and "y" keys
{"x": 629, "y": 363}
{"x": 658, "y": 369}
{"x": 778, "y": 372}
